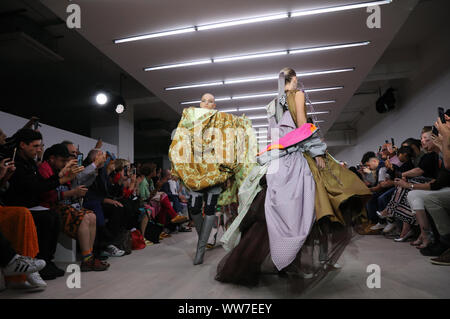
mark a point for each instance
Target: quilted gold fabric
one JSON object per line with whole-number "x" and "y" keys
{"x": 213, "y": 148}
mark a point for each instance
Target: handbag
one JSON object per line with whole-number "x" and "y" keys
{"x": 153, "y": 231}
{"x": 137, "y": 240}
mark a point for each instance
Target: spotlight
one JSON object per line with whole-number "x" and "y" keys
{"x": 119, "y": 103}
{"x": 120, "y": 108}
{"x": 101, "y": 98}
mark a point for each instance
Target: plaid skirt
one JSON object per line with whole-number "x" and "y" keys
{"x": 71, "y": 218}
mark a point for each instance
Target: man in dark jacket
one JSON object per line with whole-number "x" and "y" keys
{"x": 26, "y": 187}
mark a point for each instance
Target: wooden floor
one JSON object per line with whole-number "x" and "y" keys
{"x": 166, "y": 271}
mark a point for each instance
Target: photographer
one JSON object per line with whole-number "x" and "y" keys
{"x": 26, "y": 188}
{"x": 78, "y": 223}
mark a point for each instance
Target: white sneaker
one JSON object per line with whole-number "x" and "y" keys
{"x": 378, "y": 226}
{"x": 21, "y": 265}
{"x": 389, "y": 227}
{"x": 113, "y": 251}
{"x": 35, "y": 280}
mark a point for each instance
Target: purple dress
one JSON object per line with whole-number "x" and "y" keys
{"x": 289, "y": 202}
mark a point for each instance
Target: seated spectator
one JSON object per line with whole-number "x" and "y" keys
{"x": 99, "y": 199}
{"x": 13, "y": 264}
{"x": 26, "y": 186}
{"x": 386, "y": 179}
{"x": 95, "y": 159}
{"x": 369, "y": 171}
{"x": 172, "y": 189}
{"x": 17, "y": 226}
{"x": 437, "y": 204}
{"x": 415, "y": 145}
{"x": 78, "y": 223}
{"x": 427, "y": 170}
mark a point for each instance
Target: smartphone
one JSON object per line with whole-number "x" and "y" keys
{"x": 125, "y": 169}
{"x": 80, "y": 159}
{"x": 14, "y": 155}
{"x": 441, "y": 113}
{"x": 134, "y": 171}
{"x": 435, "y": 131}
{"x": 36, "y": 125}
{"x": 392, "y": 139}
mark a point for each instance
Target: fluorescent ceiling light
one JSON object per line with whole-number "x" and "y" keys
{"x": 317, "y": 113}
{"x": 155, "y": 35}
{"x": 325, "y": 72}
{"x": 243, "y": 97}
{"x": 338, "y": 8}
{"x": 249, "y": 56}
{"x": 319, "y": 121}
{"x": 329, "y": 47}
{"x": 228, "y": 110}
{"x": 250, "y": 96}
{"x": 217, "y": 100}
{"x": 262, "y": 78}
{"x": 261, "y": 137}
{"x": 322, "y": 102}
{"x": 177, "y": 65}
{"x": 266, "y": 18}
{"x": 257, "y": 117}
{"x": 261, "y": 125}
{"x": 242, "y": 109}
{"x": 194, "y": 86}
{"x": 242, "y": 21}
{"x": 259, "y": 55}
{"x": 324, "y": 89}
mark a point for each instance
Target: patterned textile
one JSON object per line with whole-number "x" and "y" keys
{"x": 398, "y": 207}
{"x": 209, "y": 147}
{"x": 71, "y": 218}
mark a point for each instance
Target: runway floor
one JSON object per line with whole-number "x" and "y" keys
{"x": 165, "y": 271}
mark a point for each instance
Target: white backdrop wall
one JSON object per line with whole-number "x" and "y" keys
{"x": 417, "y": 106}
{"x": 11, "y": 123}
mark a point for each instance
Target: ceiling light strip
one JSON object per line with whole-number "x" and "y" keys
{"x": 258, "y": 55}
{"x": 254, "y": 79}
{"x": 338, "y": 8}
{"x": 266, "y": 18}
{"x": 177, "y": 65}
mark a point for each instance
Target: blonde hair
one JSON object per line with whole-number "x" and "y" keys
{"x": 121, "y": 163}
{"x": 289, "y": 73}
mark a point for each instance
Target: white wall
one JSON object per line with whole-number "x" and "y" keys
{"x": 417, "y": 105}
{"x": 11, "y": 123}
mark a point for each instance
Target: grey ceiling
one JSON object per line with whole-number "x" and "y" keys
{"x": 104, "y": 21}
